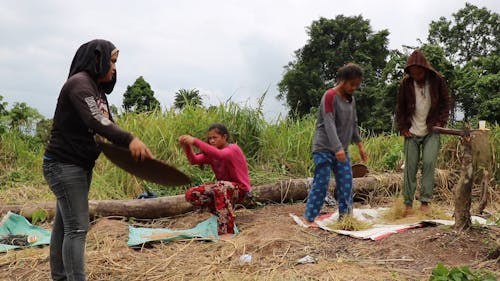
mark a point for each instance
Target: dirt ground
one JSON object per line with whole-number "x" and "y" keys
{"x": 275, "y": 243}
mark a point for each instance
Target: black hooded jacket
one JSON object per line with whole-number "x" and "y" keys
{"x": 80, "y": 107}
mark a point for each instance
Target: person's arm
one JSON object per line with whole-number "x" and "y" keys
{"x": 362, "y": 152}
{"x": 402, "y": 110}
{"x": 328, "y": 112}
{"x": 212, "y": 151}
{"x": 84, "y": 102}
{"x": 194, "y": 159}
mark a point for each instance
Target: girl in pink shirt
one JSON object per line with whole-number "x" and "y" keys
{"x": 231, "y": 171}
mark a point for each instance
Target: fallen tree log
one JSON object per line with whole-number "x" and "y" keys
{"x": 285, "y": 191}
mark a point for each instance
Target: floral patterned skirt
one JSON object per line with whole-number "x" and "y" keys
{"x": 219, "y": 198}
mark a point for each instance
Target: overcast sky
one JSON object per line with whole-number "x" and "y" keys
{"x": 224, "y": 49}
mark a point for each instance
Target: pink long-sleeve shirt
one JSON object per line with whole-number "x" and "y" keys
{"x": 228, "y": 163}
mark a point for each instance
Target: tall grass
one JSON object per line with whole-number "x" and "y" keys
{"x": 286, "y": 148}
{"x": 21, "y": 178}
{"x": 275, "y": 150}
{"x": 20, "y": 160}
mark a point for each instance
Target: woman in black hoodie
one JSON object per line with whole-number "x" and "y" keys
{"x": 82, "y": 114}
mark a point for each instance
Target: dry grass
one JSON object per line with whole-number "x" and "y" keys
{"x": 23, "y": 194}
{"x": 396, "y": 213}
{"x": 349, "y": 223}
{"x": 275, "y": 244}
{"x": 274, "y": 247}
{"x": 267, "y": 234}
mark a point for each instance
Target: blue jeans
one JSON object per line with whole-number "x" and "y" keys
{"x": 324, "y": 163}
{"x": 70, "y": 184}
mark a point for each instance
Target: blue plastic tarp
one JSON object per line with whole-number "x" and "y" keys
{"x": 206, "y": 230}
{"x": 15, "y": 224}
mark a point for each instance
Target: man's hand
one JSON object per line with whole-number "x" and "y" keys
{"x": 406, "y": 134}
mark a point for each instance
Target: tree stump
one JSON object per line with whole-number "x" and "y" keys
{"x": 463, "y": 190}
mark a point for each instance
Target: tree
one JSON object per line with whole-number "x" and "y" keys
{"x": 23, "y": 118}
{"x": 43, "y": 128}
{"x": 140, "y": 97}
{"x": 184, "y": 97}
{"x": 3, "y": 115}
{"x": 474, "y": 32}
{"x": 471, "y": 41}
{"x": 113, "y": 109}
{"x": 333, "y": 43}
{"x": 392, "y": 74}
{"x": 3, "y": 107}
{"x": 477, "y": 88}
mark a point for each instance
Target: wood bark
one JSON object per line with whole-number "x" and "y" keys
{"x": 484, "y": 192}
{"x": 463, "y": 190}
{"x": 285, "y": 191}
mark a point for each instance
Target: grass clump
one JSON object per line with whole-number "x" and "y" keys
{"x": 396, "y": 213}
{"x": 349, "y": 223}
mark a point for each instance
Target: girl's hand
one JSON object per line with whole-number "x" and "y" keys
{"x": 186, "y": 140}
{"x": 139, "y": 150}
{"x": 340, "y": 155}
{"x": 362, "y": 152}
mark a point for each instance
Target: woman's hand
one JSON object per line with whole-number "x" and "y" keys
{"x": 139, "y": 150}
{"x": 186, "y": 140}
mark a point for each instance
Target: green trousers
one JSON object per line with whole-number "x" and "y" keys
{"x": 418, "y": 149}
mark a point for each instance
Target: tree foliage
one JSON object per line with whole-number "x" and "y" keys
{"x": 3, "y": 115}
{"x": 140, "y": 97}
{"x": 23, "y": 118}
{"x": 478, "y": 88}
{"x": 472, "y": 33}
{"x": 20, "y": 118}
{"x": 185, "y": 97}
{"x": 388, "y": 86}
{"x": 43, "y": 128}
{"x": 471, "y": 41}
{"x": 333, "y": 43}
